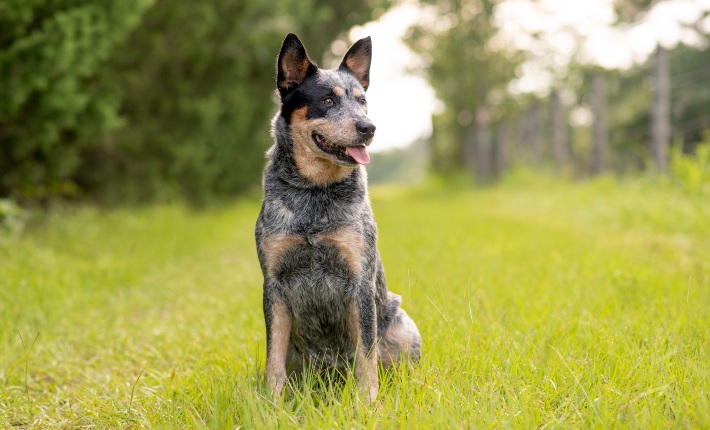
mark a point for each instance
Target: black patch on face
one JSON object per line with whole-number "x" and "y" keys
{"x": 310, "y": 93}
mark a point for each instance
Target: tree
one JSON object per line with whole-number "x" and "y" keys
{"x": 599, "y": 136}
{"x": 198, "y": 80}
{"x": 465, "y": 70}
{"x": 632, "y": 94}
{"x": 49, "y": 52}
{"x": 690, "y": 95}
{"x": 138, "y": 100}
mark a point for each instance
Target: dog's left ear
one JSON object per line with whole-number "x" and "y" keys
{"x": 357, "y": 61}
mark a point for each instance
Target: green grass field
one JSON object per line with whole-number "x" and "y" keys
{"x": 541, "y": 306}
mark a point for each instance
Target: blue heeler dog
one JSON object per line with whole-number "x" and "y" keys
{"x": 325, "y": 298}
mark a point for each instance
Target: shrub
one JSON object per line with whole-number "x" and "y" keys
{"x": 692, "y": 172}
{"x": 12, "y": 219}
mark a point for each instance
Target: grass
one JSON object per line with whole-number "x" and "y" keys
{"x": 541, "y": 305}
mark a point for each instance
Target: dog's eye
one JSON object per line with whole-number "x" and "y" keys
{"x": 328, "y": 102}
{"x": 363, "y": 101}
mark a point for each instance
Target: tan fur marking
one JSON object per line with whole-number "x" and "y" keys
{"x": 299, "y": 114}
{"x": 358, "y": 63}
{"x": 350, "y": 245}
{"x": 313, "y": 163}
{"x": 338, "y": 91}
{"x": 278, "y": 348}
{"x": 365, "y": 366}
{"x": 294, "y": 69}
{"x": 316, "y": 169}
{"x": 274, "y": 248}
{"x": 356, "y": 93}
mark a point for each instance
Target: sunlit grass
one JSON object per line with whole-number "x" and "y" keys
{"x": 540, "y": 305}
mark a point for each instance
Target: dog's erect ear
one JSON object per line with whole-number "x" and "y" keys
{"x": 357, "y": 61}
{"x": 293, "y": 64}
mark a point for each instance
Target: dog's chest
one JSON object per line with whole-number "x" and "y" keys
{"x": 316, "y": 257}
{"x": 317, "y": 275}
{"x": 323, "y": 263}
{"x": 313, "y": 236}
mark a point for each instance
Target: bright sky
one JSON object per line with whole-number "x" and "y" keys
{"x": 565, "y": 26}
{"x": 401, "y": 104}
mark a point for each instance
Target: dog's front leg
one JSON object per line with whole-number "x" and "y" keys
{"x": 362, "y": 323}
{"x": 278, "y": 332}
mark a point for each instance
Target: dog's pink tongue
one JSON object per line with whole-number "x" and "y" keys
{"x": 359, "y": 153}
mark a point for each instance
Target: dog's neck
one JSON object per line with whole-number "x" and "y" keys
{"x": 283, "y": 163}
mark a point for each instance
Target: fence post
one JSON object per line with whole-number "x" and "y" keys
{"x": 660, "y": 114}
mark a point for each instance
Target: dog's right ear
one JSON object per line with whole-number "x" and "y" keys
{"x": 293, "y": 65}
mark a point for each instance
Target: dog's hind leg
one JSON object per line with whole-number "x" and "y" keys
{"x": 295, "y": 361}
{"x": 278, "y": 332}
{"x": 400, "y": 340}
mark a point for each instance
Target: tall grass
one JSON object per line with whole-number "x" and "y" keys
{"x": 541, "y": 304}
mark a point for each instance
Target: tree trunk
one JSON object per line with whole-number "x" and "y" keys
{"x": 531, "y": 134}
{"x": 469, "y": 149}
{"x": 559, "y": 130}
{"x": 599, "y": 144}
{"x": 500, "y": 149}
{"x": 660, "y": 115}
{"x": 483, "y": 146}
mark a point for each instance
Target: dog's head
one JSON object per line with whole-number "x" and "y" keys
{"x": 326, "y": 110}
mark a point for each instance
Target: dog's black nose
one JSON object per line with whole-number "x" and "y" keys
{"x": 365, "y": 128}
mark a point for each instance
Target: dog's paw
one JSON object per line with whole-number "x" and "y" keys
{"x": 275, "y": 382}
{"x": 368, "y": 393}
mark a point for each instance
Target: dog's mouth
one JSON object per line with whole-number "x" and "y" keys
{"x": 346, "y": 154}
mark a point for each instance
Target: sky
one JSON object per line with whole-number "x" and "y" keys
{"x": 401, "y": 103}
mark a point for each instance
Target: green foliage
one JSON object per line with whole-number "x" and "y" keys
{"x": 12, "y": 219}
{"x": 553, "y": 306}
{"x": 692, "y": 172}
{"x": 690, "y": 94}
{"x": 50, "y": 52}
{"x": 630, "y": 97}
{"x": 464, "y": 69}
{"x": 628, "y": 11}
{"x": 197, "y": 80}
{"x": 140, "y": 100}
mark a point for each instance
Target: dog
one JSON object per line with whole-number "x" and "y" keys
{"x": 325, "y": 299}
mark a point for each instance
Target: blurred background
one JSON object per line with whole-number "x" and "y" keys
{"x": 138, "y": 101}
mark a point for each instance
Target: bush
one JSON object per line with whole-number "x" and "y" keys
{"x": 692, "y": 172}
{"x": 12, "y": 219}
{"x": 144, "y": 100}
{"x": 49, "y": 108}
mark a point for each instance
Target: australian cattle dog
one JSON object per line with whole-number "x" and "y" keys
{"x": 325, "y": 298}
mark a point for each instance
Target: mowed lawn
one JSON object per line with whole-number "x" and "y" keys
{"x": 541, "y": 306}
